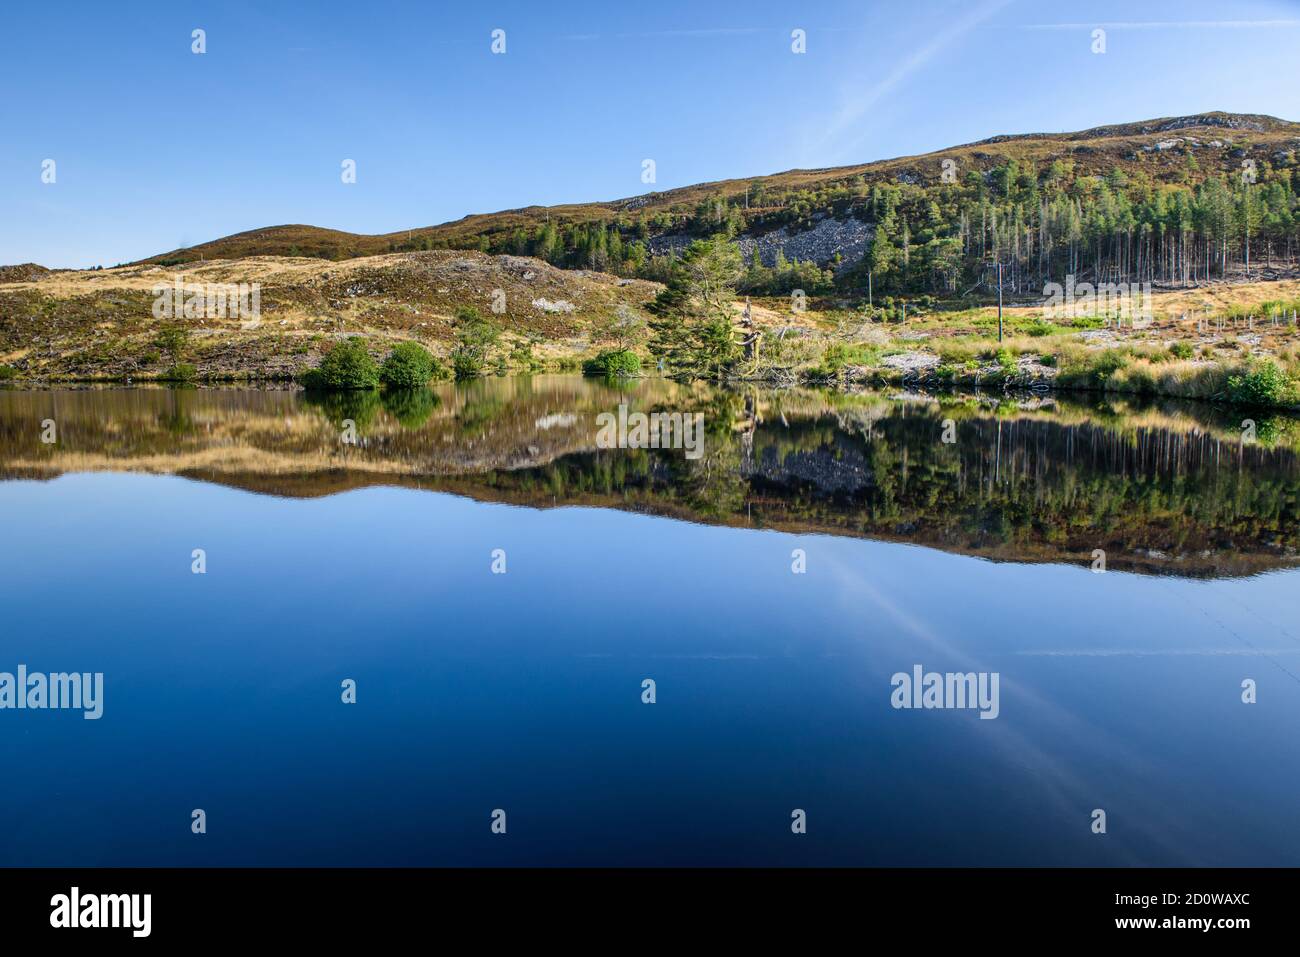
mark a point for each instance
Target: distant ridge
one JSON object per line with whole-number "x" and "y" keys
{"x": 1124, "y": 146}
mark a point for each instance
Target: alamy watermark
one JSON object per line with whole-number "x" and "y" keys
{"x": 654, "y": 430}
{"x": 81, "y": 691}
{"x": 207, "y": 300}
{"x": 1123, "y": 300}
{"x": 933, "y": 689}
{"x": 75, "y": 909}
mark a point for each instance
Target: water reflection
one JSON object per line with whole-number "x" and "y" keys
{"x": 1160, "y": 487}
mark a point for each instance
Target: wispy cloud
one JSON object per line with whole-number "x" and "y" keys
{"x": 1164, "y": 24}
{"x": 713, "y": 32}
{"x": 856, "y": 107}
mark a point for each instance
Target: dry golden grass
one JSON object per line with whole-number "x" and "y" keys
{"x": 99, "y": 323}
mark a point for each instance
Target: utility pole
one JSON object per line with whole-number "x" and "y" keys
{"x": 999, "y": 300}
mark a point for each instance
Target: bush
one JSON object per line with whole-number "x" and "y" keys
{"x": 410, "y": 366}
{"x": 1182, "y": 350}
{"x": 173, "y": 339}
{"x": 522, "y": 356}
{"x": 180, "y": 372}
{"x": 835, "y": 359}
{"x": 1265, "y": 384}
{"x": 346, "y": 366}
{"x": 613, "y": 362}
{"x": 7, "y": 372}
{"x": 476, "y": 337}
{"x": 1006, "y": 360}
{"x": 1107, "y": 364}
{"x": 465, "y": 366}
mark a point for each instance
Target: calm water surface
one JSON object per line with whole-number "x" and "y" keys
{"x": 522, "y": 691}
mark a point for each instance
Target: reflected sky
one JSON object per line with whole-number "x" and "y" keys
{"x": 522, "y": 691}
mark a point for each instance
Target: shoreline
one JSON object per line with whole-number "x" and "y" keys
{"x": 855, "y": 380}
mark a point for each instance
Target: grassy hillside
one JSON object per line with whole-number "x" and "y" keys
{"x": 1010, "y": 175}
{"x": 99, "y": 324}
{"x": 896, "y": 276}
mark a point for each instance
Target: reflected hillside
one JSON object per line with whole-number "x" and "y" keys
{"x": 1163, "y": 489}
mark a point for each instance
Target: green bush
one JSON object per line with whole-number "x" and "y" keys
{"x": 613, "y": 362}
{"x": 8, "y": 372}
{"x": 834, "y": 360}
{"x": 1182, "y": 350}
{"x": 476, "y": 337}
{"x": 410, "y": 366}
{"x": 1107, "y": 364}
{"x": 180, "y": 372}
{"x": 1265, "y": 384}
{"x": 173, "y": 339}
{"x": 346, "y": 366}
{"x": 465, "y": 366}
{"x": 522, "y": 356}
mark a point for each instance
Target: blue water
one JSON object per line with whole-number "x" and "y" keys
{"x": 522, "y": 691}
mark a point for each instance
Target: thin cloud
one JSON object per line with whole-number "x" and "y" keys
{"x": 1163, "y": 24}
{"x": 715, "y": 32}
{"x": 854, "y": 110}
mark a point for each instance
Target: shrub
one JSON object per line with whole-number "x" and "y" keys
{"x": 346, "y": 366}
{"x": 1006, "y": 360}
{"x": 523, "y": 357}
{"x": 1182, "y": 350}
{"x": 613, "y": 362}
{"x": 1264, "y": 384}
{"x": 1107, "y": 364}
{"x": 173, "y": 339}
{"x": 410, "y": 366}
{"x": 834, "y": 360}
{"x": 475, "y": 339}
{"x": 7, "y": 372}
{"x": 180, "y": 372}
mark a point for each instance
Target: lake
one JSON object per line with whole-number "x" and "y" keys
{"x": 495, "y": 586}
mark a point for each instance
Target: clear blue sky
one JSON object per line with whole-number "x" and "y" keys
{"x": 158, "y": 147}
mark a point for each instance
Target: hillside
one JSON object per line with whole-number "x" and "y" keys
{"x": 893, "y": 257}
{"x": 1010, "y": 175}
{"x": 99, "y": 324}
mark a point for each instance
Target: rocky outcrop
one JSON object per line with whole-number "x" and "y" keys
{"x": 26, "y": 272}
{"x": 851, "y": 238}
